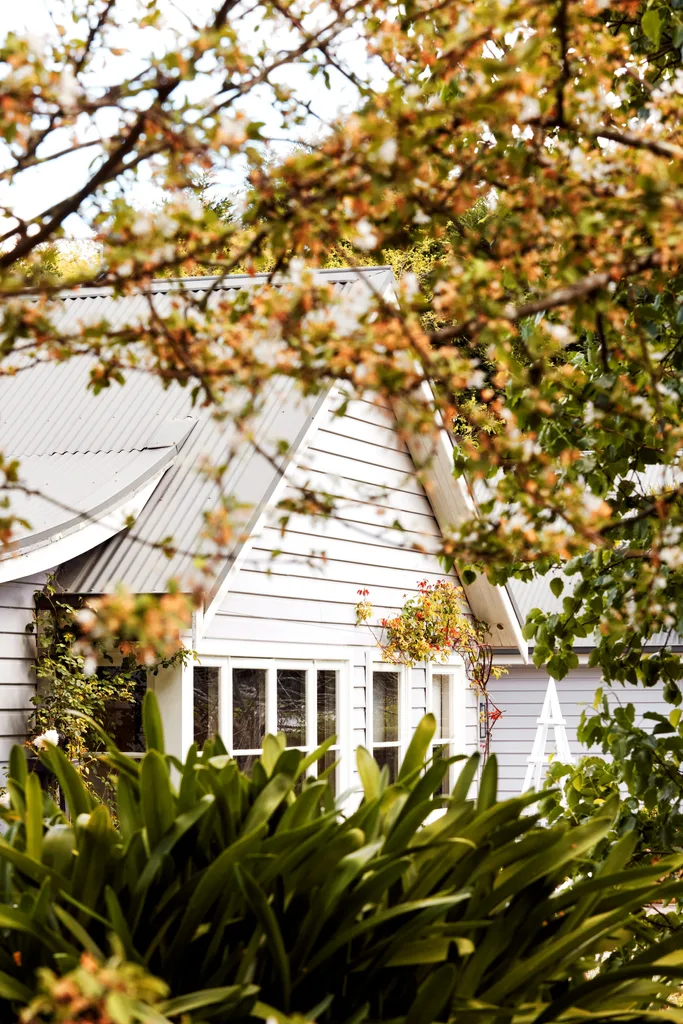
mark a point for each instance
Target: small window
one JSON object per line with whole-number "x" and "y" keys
{"x": 385, "y": 720}
{"x": 327, "y": 681}
{"x": 442, "y": 707}
{"x": 291, "y": 705}
{"x": 248, "y": 708}
{"x": 124, "y": 718}
{"x": 205, "y": 683}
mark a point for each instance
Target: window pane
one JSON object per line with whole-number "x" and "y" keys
{"x": 388, "y": 756}
{"x": 327, "y": 704}
{"x": 291, "y": 705}
{"x": 441, "y": 690}
{"x": 205, "y": 703}
{"x": 441, "y": 753}
{"x": 385, "y": 707}
{"x": 125, "y": 719}
{"x": 246, "y": 762}
{"x": 326, "y": 761}
{"x": 248, "y": 708}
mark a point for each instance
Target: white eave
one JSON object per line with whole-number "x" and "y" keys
{"x": 452, "y": 505}
{"x": 79, "y": 501}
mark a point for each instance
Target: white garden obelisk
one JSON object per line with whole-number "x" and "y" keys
{"x": 550, "y": 717}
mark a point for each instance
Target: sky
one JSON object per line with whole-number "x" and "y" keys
{"x": 37, "y": 189}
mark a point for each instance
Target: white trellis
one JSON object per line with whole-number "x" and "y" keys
{"x": 550, "y": 717}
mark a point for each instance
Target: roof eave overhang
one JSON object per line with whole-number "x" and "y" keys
{"x": 86, "y": 529}
{"x": 453, "y": 504}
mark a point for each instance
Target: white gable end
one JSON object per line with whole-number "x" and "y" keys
{"x": 300, "y": 605}
{"x": 306, "y": 592}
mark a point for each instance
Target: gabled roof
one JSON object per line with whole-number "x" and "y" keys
{"x": 46, "y": 410}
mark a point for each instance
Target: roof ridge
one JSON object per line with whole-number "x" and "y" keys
{"x": 229, "y": 283}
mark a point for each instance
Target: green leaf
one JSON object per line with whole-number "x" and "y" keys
{"x": 33, "y": 818}
{"x": 78, "y": 800}
{"x": 151, "y": 722}
{"x": 418, "y": 748}
{"x": 156, "y": 798}
{"x": 432, "y": 996}
{"x": 368, "y": 769}
{"x": 259, "y": 904}
{"x": 14, "y": 990}
{"x": 182, "y": 824}
{"x": 268, "y": 801}
{"x": 557, "y": 586}
{"x": 652, "y": 26}
{"x": 207, "y": 997}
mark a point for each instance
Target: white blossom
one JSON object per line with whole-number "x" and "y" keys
{"x": 531, "y": 109}
{"x": 5, "y": 801}
{"x": 49, "y": 736}
{"x": 589, "y": 414}
{"x": 232, "y": 131}
{"x": 387, "y": 151}
{"x": 142, "y": 225}
{"x": 560, "y": 333}
{"x": 86, "y": 618}
{"x": 409, "y": 286}
{"x": 476, "y": 379}
{"x": 420, "y": 217}
{"x": 643, "y": 406}
{"x": 68, "y": 90}
{"x": 90, "y": 665}
{"x": 673, "y": 557}
{"x": 366, "y": 236}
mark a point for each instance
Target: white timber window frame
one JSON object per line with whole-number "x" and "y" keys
{"x": 340, "y": 751}
{"x": 403, "y": 732}
{"x": 453, "y": 732}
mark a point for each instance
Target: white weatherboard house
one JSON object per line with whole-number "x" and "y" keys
{"x": 277, "y": 642}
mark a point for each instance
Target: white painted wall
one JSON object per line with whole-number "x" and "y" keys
{"x": 520, "y": 694}
{"x": 301, "y": 603}
{"x": 17, "y": 653}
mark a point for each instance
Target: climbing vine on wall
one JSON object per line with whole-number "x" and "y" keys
{"x": 74, "y": 678}
{"x": 430, "y": 627}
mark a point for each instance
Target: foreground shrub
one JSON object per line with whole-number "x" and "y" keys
{"x": 257, "y": 897}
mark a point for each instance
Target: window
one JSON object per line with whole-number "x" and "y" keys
{"x": 250, "y": 699}
{"x": 124, "y": 723}
{"x": 385, "y": 720}
{"x": 205, "y": 680}
{"x": 442, "y": 709}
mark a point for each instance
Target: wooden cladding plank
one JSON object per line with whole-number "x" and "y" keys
{"x": 378, "y": 475}
{"x": 339, "y": 571}
{"x": 348, "y": 493}
{"x": 363, "y": 451}
{"x": 384, "y": 518}
{"x": 381, "y": 435}
{"x": 348, "y": 549}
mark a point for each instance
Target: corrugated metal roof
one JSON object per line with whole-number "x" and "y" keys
{"x": 45, "y": 410}
{"x": 76, "y": 487}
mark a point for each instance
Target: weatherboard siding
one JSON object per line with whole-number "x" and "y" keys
{"x": 17, "y": 652}
{"x": 305, "y": 594}
{"x": 520, "y": 695}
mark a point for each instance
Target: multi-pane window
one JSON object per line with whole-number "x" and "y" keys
{"x": 299, "y": 700}
{"x": 442, "y": 708}
{"x": 385, "y": 720}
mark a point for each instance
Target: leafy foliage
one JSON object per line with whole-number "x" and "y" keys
{"x": 520, "y": 165}
{"x": 74, "y": 696}
{"x": 259, "y": 898}
{"x": 115, "y": 991}
{"x": 429, "y": 626}
{"x": 645, "y": 762}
